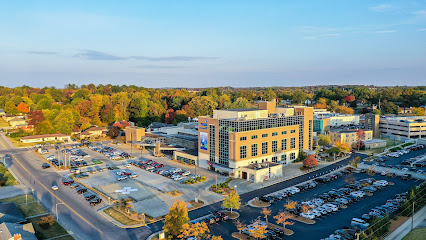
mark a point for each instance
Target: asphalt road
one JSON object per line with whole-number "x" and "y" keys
{"x": 76, "y": 213}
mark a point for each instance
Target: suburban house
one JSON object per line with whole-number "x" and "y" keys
{"x": 10, "y": 227}
{"x": 2, "y": 113}
{"x": 17, "y": 121}
{"x": 93, "y": 132}
{"x": 10, "y": 213}
{"x": 46, "y": 138}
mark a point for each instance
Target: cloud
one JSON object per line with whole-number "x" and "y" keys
{"x": 158, "y": 67}
{"x": 382, "y": 8}
{"x": 97, "y": 55}
{"x": 420, "y": 12}
{"x": 385, "y": 31}
{"x": 42, "y": 52}
{"x": 421, "y": 29}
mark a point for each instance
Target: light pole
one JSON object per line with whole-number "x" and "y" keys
{"x": 57, "y": 214}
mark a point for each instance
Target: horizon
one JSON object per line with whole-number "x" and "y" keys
{"x": 191, "y": 44}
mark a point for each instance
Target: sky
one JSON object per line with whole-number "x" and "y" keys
{"x": 190, "y": 43}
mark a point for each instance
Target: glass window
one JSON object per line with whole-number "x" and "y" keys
{"x": 243, "y": 151}
{"x": 274, "y": 159}
{"x": 293, "y": 131}
{"x": 254, "y": 137}
{"x": 284, "y": 144}
{"x": 292, "y": 143}
{"x": 274, "y": 134}
{"x": 292, "y": 156}
{"x": 264, "y": 147}
{"x": 264, "y": 135}
{"x": 275, "y": 146}
{"x": 243, "y": 138}
{"x": 284, "y": 132}
{"x": 254, "y": 150}
{"x": 283, "y": 157}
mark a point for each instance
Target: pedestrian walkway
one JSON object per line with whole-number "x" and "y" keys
{"x": 406, "y": 227}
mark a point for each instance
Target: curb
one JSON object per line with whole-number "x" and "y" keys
{"x": 116, "y": 223}
{"x": 252, "y": 205}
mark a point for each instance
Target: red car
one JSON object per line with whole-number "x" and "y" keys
{"x": 160, "y": 166}
{"x": 126, "y": 173}
{"x": 67, "y": 182}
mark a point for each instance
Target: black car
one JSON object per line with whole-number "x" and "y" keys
{"x": 81, "y": 190}
{"x": 90, "y": 197}
{"x": 45, "y": 165}
{"x": 95, "y": 201}
{"x": 406, "y": 177}
{"x": 222, "y": 215}
{"x": 278, "y": 231}
{"x": 266, "y": 199}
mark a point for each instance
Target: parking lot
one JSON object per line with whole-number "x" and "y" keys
{"x": 396, "y": 161}
{"x": 327, "y": 224}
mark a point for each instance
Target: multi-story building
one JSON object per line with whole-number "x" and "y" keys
{"x": 403, "y": 128}
{"x": 325, "y": 120}
{"x": 371, "y": 122}
{"x": 348, "y": 136}
{"x": 247, "y": 143}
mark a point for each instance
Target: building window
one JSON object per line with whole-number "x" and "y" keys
{"x": 284, "y": 144}
{"x": 254, "y": 137}
{"x": 274, "y": 159}
{"x": 274, "y": 134}
{"x": 254, "y": 150}
{"x": 264, "y": 135}
{"x": 292, "y": 143}
{"x": 293, "y": 131}
{"x": 243, "y": 138}
{"x": 264, "y": 147}
{"x": 243, "y": 152}
{"x": 284, "y": 132}
{"x": 292, "y": 156}
{"x": 275, "y": 146}
{"x": 284, "y": 158}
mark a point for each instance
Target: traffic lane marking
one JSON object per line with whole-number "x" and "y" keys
{"x": 58, "y": 197}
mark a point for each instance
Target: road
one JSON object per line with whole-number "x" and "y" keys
{"x": 76, "y": 213}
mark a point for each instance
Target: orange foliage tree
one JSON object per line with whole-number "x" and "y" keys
{"x": 310, "y": 161}
{"x": 23, "y": 108}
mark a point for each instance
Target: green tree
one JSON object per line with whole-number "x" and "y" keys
{"x": 201, "y": 106}
{"x": 376, "y": 111}
{"x": 10, "y": 108}
{"x": 45, "y": 127}
{"x": 176, "y": 218}
{"x": 418, "y": 111}
{"x": 232, "y": 201}
{"x": 269, "y": 95}
{"x": 64, "y": 122}
{"x": 324, "y": 140}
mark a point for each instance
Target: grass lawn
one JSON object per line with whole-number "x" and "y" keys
{"x": 418, "y": 233}
{"x": 17, "y": 143}
{"x": 31, "y": 209}
{"x": 389, "y": 143}
{"x": 3, "y": 123}
{"x": 53, "y": 231}
{"x": 121, "y": 218}
{"x": 6, "y": 176}
{"x": 68, "y": 237}
{"x": 19, "y": 199}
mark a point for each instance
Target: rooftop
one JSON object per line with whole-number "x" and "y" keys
{"x": 258, "y": 166}
{"x": 9, "y": 212}
{"x": 45, "y": 136}
{"x": 241, "y": 109}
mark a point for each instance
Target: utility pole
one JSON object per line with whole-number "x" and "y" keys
{"x": 412, "y": 217}
{"x": 57, "y": 214}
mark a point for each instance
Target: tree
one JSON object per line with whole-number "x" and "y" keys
{"x": 170, "y": 116}
{"x": 376, "y": 112}
{"x": 282, "y": 218}
{"x": 232, "y": 201}
{"x": 176, "y": 218}
{"x": 344, "y": 110}
{"x": 418, "y": 111}
{"x": 324, "y": 140}
{"x": 356, "y": 161}
{"x": 10, "y": 108}
{"x": 23, "y": 108}
{"x": 45, "y": 127}
{"x": 343, "y": 147}
{"x": 258, "y": 230}
{"x": 201, "y": 106}
{"x": 216, "y": 238}
{"x": 35, "y": 117}
{"x": 197, "y": 230}
{"x": 269, "y": 94}
{"x": 310, "y": 161}
{"x": 64, "y": 122}
{"x": 290, "y": 204}
{"x": 389, "y": 107}
{"x": 113, "y": 132}
{"x": 349, "y": 98}
{"x": 360, "y": 136}
{"x": 240, "y": 226}
{"x": 266, "y": 212}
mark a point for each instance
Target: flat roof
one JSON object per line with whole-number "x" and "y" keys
{"x": 241, "y": 109}
{"x": 192, "y": 152}
{"x": 45, "y": 136}
{"x": 258, "y": 166}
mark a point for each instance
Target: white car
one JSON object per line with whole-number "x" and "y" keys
{"x": 51, "y": 157}
{"x": 321, "y": 210}
{"x": 316, "y": 213}
{"x": 186, "y": 173}
{"x": 134, "y": 175}
{"x": 358, "y": 194}
{"x": 178, "y": 178}
{"x": 122, "y": 178}
{"x": 382, "y": 183}
{"x": 327, "y": 208}
{"x": 54, "y": 187}
{"x": 333, "y": 207}
{"x": 119, "y": 173}
{"x": 308, "y": 215}
{"x": 126, "y": 165}
{"x": 296, "y": 189}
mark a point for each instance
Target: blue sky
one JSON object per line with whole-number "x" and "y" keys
{"x": 213, "y": 43}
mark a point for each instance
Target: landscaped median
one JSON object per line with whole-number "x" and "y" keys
{"x": 120, "y": 219}
{"x": 257, "y": 203}
{"x": 44, "y": 224}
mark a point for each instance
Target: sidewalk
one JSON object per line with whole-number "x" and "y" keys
{"x": 12, "y": 191}
{"x": 405, "y": 228}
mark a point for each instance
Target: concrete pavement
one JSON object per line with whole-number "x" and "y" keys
{"x": 405, "y": 228}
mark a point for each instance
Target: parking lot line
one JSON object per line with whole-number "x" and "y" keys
{"x": 57, "y": 197}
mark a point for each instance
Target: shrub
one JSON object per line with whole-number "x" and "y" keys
{"x": 219, "y": 191}
{"x": 2, "y": 183}
{"x": 46, "y": 221}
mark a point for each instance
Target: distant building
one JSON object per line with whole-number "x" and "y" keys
{"x": 155, "y": 126}
{"x": 348, "y": 136}
{"x": 371, "y": 122}
{"x": 123, "y": 124}
{"x": 134, "y": 134}
{"x": 17, "y": 121}
{"x": 93, "y": 132}
{"x": 10, "y": 213}
{"x": 405, "y": 110}
{"x": 324, "y": 121}
{"x": 13, "y": 231}
{"x": 403, "y": 128}
{"x": 374, "y": 143}
{"x": 46, "y": 138}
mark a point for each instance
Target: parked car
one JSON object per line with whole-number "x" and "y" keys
{"x": 45, "y": 165}
{"x": 359, "y": 223}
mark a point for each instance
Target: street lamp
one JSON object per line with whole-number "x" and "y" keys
{"x": 57, "y": 214}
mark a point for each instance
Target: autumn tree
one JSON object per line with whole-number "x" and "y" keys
{"x": 23, "y": 108}
{"x": 344, "y": 110}
{"x": 240, "y": 225}
{"x": 197, "y": 230}
{"x": 290, "y": 204}
{"x": 342, "y": 147}
{"x": 176, "y": 218}
{"x": 266, "y": 212}
{"x": 170, "y": 116}
{"x": 35, "y": 117}
{"x": 324, "y": 140}
{"x": 310, "y": 161}
{"x": 356, "y": 161}
{"x": 232, "y": 201}
{"x": 216, "y": 238}
{"x": 201, "y": 106}
{"x": 282, "y": 218}
{"x": 258, "y": 230}
{"x": 113, "y": 132}
{"x": 64, "y": 122}
{"x": 418, "y": 111}
{"x": 45, "y": 127}
{"x": 360, "y": 136}
{"x": 10, "y": 108}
